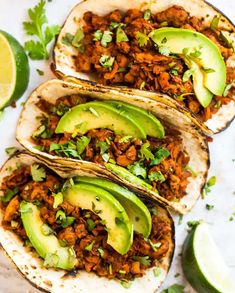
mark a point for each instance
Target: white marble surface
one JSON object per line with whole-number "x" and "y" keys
{"x": 12, "y": 14}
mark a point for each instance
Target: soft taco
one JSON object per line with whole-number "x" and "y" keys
{"x": 76, "y": 232}
{"x": 180, "y": 52}
{"x": 141, "y": 142}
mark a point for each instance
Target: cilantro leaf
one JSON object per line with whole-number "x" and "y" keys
{"x": 82, "y": 142}
{"x": 160, "y": 155}
{"x": 215, "y": 22}
{"x": 9, "y": 194}
{"x": 106, "y": 38}
{"x": 144, "y": 260}
{"x": 38, "y": 173}
{"x": 106, "y": 61}
{"x": 97, "y": 35}
{"x": 90, "y": 246}
{"x": 58, "y": 199}
{"x": 156, "y": 176}
{"x": 176, "y": 288}
{"x": 164, "y": 50}
{"x": 147, "y": 14}
{"x": 37, "y": 27}
{"x": 90, "y": 225}
{"x": 209, "y": 207}
{"x": 63, "y": 220}
{"x": 138, "y": 170}
{"x": 113, "y": 25}
{"x": 142, "y": 39}
{"x": 207, "y": 188}
{"x": 67, "y": 39}
{"x": 11, "y": 151}
{"x": 103, "y": 146}
{"x": 121, "y": 35}
{"x": 146, "y": 152}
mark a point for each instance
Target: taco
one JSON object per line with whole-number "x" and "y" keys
{"x": 143, "y": 143}
{"x": 180, "y": 52}
{"x": 81, "y": 233}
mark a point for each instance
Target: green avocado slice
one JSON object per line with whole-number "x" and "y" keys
{"x": 98, "y": 114}
{"x": 127, "y": 175}
{"x": 179, "y": 40}
{"x": 152, "y": 126}
{"x": 102, "y": 203}
{"x": 64, "y": 257}
{"x": 136, "y": 210}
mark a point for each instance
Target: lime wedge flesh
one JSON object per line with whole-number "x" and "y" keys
{"x": 203, "y": 264}
{"x": 14, "y": 69}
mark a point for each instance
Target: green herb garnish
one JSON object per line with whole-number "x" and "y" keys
{"x": 38, "y": 173}
{"x": 90, "y": 246}
{"x": 121, "y": 35}
{"x": 58, "y": 199}
{"x": 156, "y": 176}
{"x": 11, "y": 151}
{"x": 142, "y": 39}
{"x": 107, "y": 61}
{"x": 37, "y": 27}
{"x": 106, "y": 38}
{"x": 147, "y": 14}
{"x": 9, "y": 194}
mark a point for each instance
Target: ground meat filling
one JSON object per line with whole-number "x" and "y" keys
{"x": 136, "y": 62}
{"x": 87, "y": 235}
{"x": 169, "y": 174}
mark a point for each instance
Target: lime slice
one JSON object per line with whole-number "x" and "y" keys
{"x": 14, "y": 69}
{"x": 203, "y": 264}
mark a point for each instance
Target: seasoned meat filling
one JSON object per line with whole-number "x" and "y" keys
{"x": 84, "y": 231}
{"x": 118, "y": 49}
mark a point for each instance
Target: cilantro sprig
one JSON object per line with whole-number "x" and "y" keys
{"x": 37, "y": 49}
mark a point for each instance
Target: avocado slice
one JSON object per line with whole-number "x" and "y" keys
{"x": 152, "y": 126}
{"x": 102, "y": 203}
{"x": 127, "y": 175}
{"x": 44, "y": 245}
{"x": 136, "y": 210}
{"x": 177, "y": 40}
{"x": 97, "y": 114}
{"x": 203, "y": 95}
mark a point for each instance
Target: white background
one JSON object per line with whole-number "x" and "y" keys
{"x": 222, "y": 150}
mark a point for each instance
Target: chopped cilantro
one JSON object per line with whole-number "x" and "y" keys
{"x": 106, "y": 38}
{"x": 106, "y": 61}
{"x": 157, "y": 272}
{"x": 113, "y": 25}
{"x": 211, "y": 182}
{"x": 122, "y": 69}
{"x": 217, "y": 104}
{"x": 90, "y": 224}
{"x": 147, "y": 14}
{"x": 82, "y": 142}
{"x": 97, "y": 35}
{"x": 38, "y": 173}
{"x": 94, "y": 112}
{"x": 11, "y": 151}
{"x": 145, "y": 152}
{"x": 174, "y": 71}
{"x": 126, "y": 284}
{"x": 105, "y": 157}
{"x": 9, "y": 194}
{"x": 154, "y": 246}
{"x": 63, "y": 220}
{"x": 101, "y": 251}
{"x": 40, "y": 72}
{"x": 90, "y": 246}
{"x": 156, "y": 176}
{"x": 209, "y": 207}
{"x": 58, "y": 199}
{"x": 121, "y": 35}
{"x": 144, "y": 260}
{"x": 176, "y": 288}
{"x": 78, "y": 38}
{"x": 187, "y": 74}
{"x": 142, "y": 39}
{"x": 126, "y": 138}
{"x": 138, "y": 170}
{"x": 160, "y": 155}
{"x": 164, "y": 50}
{"x": 215, "y": 22}
{"x": 103, "y": 146}
{"x": 224, "y": 38}
{"x": 67, "y": 39}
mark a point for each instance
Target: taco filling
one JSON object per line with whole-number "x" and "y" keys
{"x": 124, "y": 138}
{"x": 84, "y": 223}
{"x": 171, "y": 52}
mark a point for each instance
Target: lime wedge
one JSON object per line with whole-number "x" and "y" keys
{"x": 203, "y": 264}
{"x": 14, "y": 69}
